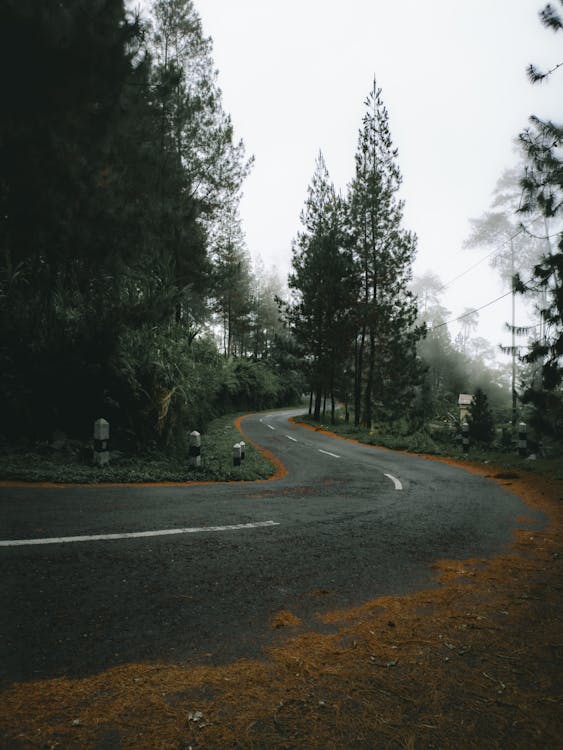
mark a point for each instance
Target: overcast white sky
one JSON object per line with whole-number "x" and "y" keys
{"x": 295, "y": 74}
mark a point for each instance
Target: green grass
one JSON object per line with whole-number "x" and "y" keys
{"x": 75, "y": 466}
{"x": 422, "y": 442}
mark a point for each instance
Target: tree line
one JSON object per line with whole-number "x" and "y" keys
{"x": 377, "y": 340}
{"x": 121, "y": 251}
{"x": 352, "y": 311}
{"x": 127, "y": 291}
{"x": 524, "y": 228}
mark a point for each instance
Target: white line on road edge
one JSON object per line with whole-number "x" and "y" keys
{"x": 328, "y": 453}
{"x": 396, "y": 482}
{"x": 291, "y": 438}
{"x": 135, "y": 534}
{"x": 270, "y": 426}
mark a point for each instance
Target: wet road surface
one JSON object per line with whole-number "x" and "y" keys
{"x": 198, "y": 572}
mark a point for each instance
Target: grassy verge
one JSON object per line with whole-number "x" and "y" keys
{"x": 74, "y": 466}
{"x": 421, "y": 442}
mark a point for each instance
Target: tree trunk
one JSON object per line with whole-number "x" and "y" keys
{"x": 360, "y": 352}
{"x": 359, "y": 366}
{"x": 318, "y": 400}
{"x": 367, "y": 420}
{"x": 229, "y": 323}
{"x": 311, "y": 401}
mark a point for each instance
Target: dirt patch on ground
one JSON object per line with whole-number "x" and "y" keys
{"x": 473, "y": 663}
{"x": 285, "y": 619}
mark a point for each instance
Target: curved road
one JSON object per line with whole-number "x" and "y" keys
{"x": 347, "y": 524}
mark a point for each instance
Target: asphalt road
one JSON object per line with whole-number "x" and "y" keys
{"x": 347, "y": 524}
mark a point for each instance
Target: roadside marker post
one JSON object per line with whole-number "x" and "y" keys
{"x": 101, "y": 442}
{"x": 522, "y": 439}
{"x": 465, "y": 437}
{"x": 194, "y": 453}
{"x": 236, "y": 454}
{"x": 242, "y": 450}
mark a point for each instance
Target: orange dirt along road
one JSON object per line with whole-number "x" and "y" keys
{"x": 365, "y": 599}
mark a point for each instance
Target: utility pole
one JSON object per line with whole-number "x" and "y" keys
{"x": 543, "y": 327}
{"x": 513, "y": 333}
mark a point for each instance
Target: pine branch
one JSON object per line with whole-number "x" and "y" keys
{"x": 551, "y": 18}
{"x": 535, "y": 75}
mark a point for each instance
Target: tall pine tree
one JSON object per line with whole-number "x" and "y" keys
{"x": 386, "y": 365}
{"x": 543, "y": 191}
{"x": 323, "y": 282}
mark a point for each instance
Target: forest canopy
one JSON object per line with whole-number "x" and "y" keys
{"x": 121, "y": 250}
{"x": 126, "y": 287}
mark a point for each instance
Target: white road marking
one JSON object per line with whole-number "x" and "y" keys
{"x": 135, "y": 534}
{"x": 270, "y": 426}
{"x": 396, "y": 482}
{"x": 328, "y": 453}
{"x": 291, "y": 438}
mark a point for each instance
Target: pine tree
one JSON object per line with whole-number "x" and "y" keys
{"x": 324, "y": 285}
{"x": 63, "y": 225}
{"x": 232, "y": 284}
{"x": 117, "y": 157}
{"x": 267, "y": 323}
{"x": 201, "y": 168}
{"x": 480, "y": 419}
{"x": 386, "y": 367}
{"x": 543, "y": 191}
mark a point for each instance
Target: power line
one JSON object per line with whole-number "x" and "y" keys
{"x": 467, "y": 270}
{"x": 477, "y": 309}
{"x": 494, "y": 251}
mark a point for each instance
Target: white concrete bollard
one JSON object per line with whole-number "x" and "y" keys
{"x": 101, "y": 442}
{"x": 242, "y": 450}
{"x": 523, "y": 439}
{"x": 195, "y": 449}
{"x": 465, "y": 437}
{"x": 236, "y": 454}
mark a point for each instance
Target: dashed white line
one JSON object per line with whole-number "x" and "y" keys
{"x": 291, "y": 438}
{"x": 270, "y": 426}
{"x": 135, "y": 534}
{"x": 328, "y": 453}
{"x": 396, "y": 482}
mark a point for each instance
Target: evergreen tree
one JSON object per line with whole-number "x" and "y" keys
{"x": 196, "y": 144}
{"x": 62, "y": 235}
{"x": 117, "y": 158}
{"x": 323, "y": 282}
{"x": 480, "y": 419}
{"x": 543, "y": 191}
{"x": 267, "y": 323}
{"x": 232, "y": 285}
{"x": 437, "y": 394}
{"x": 514, "y": 250}
{"x": 386, "y": 366}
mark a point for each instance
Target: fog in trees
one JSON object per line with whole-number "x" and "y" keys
{"x": 127, "y": 288}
